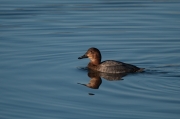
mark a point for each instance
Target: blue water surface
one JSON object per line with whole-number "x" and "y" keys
{"x": 40, "y": 74}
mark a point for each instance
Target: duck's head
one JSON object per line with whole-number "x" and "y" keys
{"x": 94, "y": 55}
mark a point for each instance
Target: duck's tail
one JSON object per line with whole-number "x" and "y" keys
{"x": 141, "y": 70}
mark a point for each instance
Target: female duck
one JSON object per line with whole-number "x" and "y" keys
{"x": 108, "y": 66}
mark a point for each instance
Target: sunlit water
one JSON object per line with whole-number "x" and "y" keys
{"x": 40, "y": 74}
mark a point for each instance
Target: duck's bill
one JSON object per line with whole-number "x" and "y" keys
{"x": 84, "y": 56}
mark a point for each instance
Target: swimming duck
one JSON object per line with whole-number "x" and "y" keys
{"x": 108, "y": 66}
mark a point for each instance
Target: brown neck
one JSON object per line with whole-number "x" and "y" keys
{"x": 95, "y": 62}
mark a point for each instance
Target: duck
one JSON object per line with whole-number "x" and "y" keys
{"x": 107, "y": 66}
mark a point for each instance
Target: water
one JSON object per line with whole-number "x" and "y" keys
{"x": 40, "y": 74}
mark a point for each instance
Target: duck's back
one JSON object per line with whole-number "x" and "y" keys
{"x": 111, "y": 66}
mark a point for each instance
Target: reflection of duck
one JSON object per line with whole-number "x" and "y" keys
{"x": 96, "y": 81}
{"x": 108, "y": 66}
{"x": 107, "y": 76}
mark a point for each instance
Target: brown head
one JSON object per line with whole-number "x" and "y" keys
{"x": 94, "y": 55}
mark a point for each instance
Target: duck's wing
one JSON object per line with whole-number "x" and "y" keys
{"x": 111, "y": 63}
{"x": 112, "y": 66}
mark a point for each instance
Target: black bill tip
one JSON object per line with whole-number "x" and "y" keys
{"x": 84, "y": 56}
